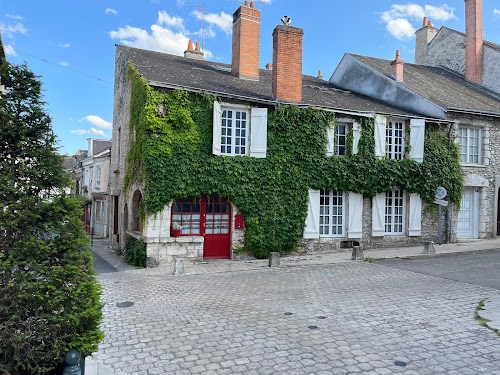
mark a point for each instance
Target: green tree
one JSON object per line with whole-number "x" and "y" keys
{"x": 49, "y": 296}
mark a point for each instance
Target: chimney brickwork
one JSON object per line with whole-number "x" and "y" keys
{"x": 474, "y": 40}
{"x": 192, "y": 53}
{"x": 287, "y": 63}
{"x": 423, "y": 37}
{"x": 397, "y": 68}
{"x": 246, "y": 35}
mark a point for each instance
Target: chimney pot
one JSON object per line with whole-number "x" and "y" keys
{"x": 252, "y": 5}
{"x": 397, "y": 68}
{"x": 245, "y": 45}
{"x": 198, "y": 47}
{"x": 191, "y": 53}
{"x": 287, "y": 63}
{"x": 429, "y": 24}
{"x": 320, "y": 74}
{"x": 269, "y": 66}
{"x": 425, "y": 21}
{"x": 190, "y": 45}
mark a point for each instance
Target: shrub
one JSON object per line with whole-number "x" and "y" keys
{"x": 135, "y": 252}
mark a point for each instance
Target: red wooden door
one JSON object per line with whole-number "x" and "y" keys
{"x": 217, "y": 220}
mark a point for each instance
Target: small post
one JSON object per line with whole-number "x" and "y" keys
{"x": 274, "y": 259}
{"x": 92, "y": 236}
{"x": 71, "y": 360}
{"x": 429, "y": 248}
{"x": 179, "y": 267}
{"x": 439, "y": 225}
{"x": 357, "y": 253}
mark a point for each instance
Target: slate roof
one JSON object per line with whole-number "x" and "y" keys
{"x": 485, "y": 42}
{"x": 165, "y": 70}
{"x": 445, "y": 88}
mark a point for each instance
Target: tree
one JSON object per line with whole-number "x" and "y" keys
{"x": 49, "y": 296}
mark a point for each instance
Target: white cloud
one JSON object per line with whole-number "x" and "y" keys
{"x": 97, "y": 121}
{"x": 112, "y": 11}
{"x": 64, "y": 63}
{"x": 161, "y": 39}
{"x": 15, "y": 17}
{"x": 397, "y": 19}
{"x": 222, "y": 20}
{"x": 66, "y": 45}
{"x": 10, "y": 30}
{"x": 9, "y": 50}
{"x": 98, "y": 132}
{"x": 400, "y": 28}
{"x": 496, "y": 12}
{"x": 80, "y": 131}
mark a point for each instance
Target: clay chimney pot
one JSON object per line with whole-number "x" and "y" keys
{"x": 425, "y": 21}
{"x": 190, "y": 45}
{"x": 429, "y": 24}
{"x": 252, "y": 5}
{"x": 246, "y": 3}
{"x": 198, "y": 46}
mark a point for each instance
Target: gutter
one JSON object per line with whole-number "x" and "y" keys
{"x": 473, "y": 112}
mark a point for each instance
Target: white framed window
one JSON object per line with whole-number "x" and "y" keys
{"x": 98, "y": 177}
{"x": 341, "y": 131}
{"x": 239, "y": 130}
{"x": 234, "y": 132}
{"x": 331, "y": 213}
{"x": 395, "y": 139}
{"x": 100, "y": 214}
{"x": 395, "y": 212}
{"x": 469, "y": 141}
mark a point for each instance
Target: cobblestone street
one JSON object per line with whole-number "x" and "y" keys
{"x": 368, "y": 316}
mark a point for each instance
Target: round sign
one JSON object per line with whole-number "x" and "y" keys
{"x": 441, "y": 192}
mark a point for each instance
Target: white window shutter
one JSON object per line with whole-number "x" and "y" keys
{"x": 258, "y": 124}
{"x": 355, "y": 229}
{"x": 311, "y": 229}
{"x": 356, "y": 132}
{"x": 380, "y": 125}
{"x": 378, "y": 215}
{"x": 415, "y": 227}
{"x": 417, "y": 135}
{"x": 217, "y": 125}
{"x": 330, "y": 133}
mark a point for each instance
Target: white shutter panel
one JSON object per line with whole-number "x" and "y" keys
{"x": 355, "y": 229}
{"x": 417, "y": 134}
{"x": 258, "y": 127}
{"x": 380, "y": 125}
{"x": 330, "y": 133}
{"x": 312, "y": 221}
{"x": 356, "y": 132}
{"x": 415, "y": 228}
{"x": 378, "y": 215}
{"x": 216, "y": 129}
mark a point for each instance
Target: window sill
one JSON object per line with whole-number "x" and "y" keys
{"x": 471, "y": 165}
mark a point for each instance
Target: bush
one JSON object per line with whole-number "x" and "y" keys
{"x": 49, "y": 296}
{"x": 135, "y": 252}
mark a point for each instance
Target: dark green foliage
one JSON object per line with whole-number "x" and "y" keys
{"x": 172, "y": 155}
{"x": 49, "y": 297}
{"x": 135, "y": 252}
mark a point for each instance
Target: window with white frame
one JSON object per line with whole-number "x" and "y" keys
{"x": 395, "y": 139}
{"x": 340, "y": 139}
{"x": 98, "y": 177}
{"x": 331, "y": 213}
{"x": 100, "y": 214}
{"x": 394, "y": 212}
{"x": 469, "y": 141}
{"x": 234, "y": 132}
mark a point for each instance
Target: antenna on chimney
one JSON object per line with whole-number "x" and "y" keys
{"x": 202, "y": 6}
{"x": 286, "y": 20}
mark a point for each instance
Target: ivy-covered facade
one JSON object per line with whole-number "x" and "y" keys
{"x": 211, "y": 161}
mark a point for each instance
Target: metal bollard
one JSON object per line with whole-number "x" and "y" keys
{"x": 71, "y": 361}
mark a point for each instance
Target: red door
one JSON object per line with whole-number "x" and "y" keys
{"x": 216, "y": 227}
{"x": 208, "y": 217}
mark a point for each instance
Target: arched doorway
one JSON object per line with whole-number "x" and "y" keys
{"x": 209, "y": 217}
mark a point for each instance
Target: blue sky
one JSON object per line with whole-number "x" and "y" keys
{"x": 71, "y": 43}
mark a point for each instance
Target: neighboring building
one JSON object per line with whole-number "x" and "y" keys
{"x": 437, "y": 91}
{"x": 3, "y": 58}
{"x": 93, "y": 185}
{"x": 467, "y": 54}
{"x": 246, "y": 98}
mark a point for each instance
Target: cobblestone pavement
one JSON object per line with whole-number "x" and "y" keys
{"x": 367, "y": 316}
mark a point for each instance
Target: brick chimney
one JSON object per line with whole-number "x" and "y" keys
{"x": 474, "y": 41}
{"x": 423, "y": 37}
{"x": 192, "y": 53}
{"x": 287, "y": 63}
{"x": 246, "y": 35}
{"x": 397, "y": 68}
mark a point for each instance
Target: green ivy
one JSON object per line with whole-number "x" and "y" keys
{"x": 135, "y": 252}
{"x": 171, "y": 153}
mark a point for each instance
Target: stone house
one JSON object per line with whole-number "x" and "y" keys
{"x": 456, "y": 78}
{"x": 246, "y": 128}
{"x": 93, "y": 184}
